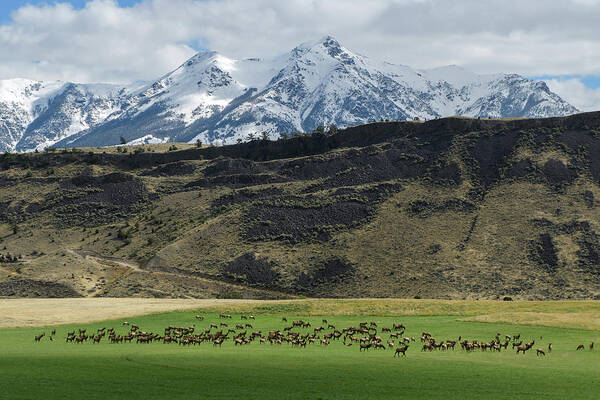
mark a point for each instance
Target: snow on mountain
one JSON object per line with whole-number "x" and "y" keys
{"x": 35, "y": 115}
{"x": 221, "y": 100}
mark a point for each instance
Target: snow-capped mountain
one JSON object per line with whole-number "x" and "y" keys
{"x": 221, "y": 100}
{"x": 35, "y": 115}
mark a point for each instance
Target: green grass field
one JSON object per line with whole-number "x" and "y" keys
{"x": 59, "y": 370}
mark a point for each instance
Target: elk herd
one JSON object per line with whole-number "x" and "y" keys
{"x": 366, "y": 336}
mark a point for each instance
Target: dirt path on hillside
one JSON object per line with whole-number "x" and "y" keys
{"x": 89, "y": 255}
{"x": 131, "y": 268}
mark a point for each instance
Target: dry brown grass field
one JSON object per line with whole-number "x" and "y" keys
{"x": 559, "y": 314}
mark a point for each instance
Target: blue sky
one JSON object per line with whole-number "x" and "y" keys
{"x": 590, "y": 81}
{"x": 8, "y": 6}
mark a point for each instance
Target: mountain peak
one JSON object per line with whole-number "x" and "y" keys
{"x": 221, "y": 100}
{"x": 329, "y": 41}
{"x": 200, "y": 57}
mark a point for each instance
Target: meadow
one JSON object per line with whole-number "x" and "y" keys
{"x": 53, "y": 370}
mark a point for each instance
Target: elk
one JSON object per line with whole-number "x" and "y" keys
{"x": 581, "y": 347}
{"x": 39, "y": 337}
{"x": 525, "y": 347}
{"x": 365, "y": 346}
{"x": 539, "y": 352}
{"x": 401, "y": 349}
{"x": 592, "y": 346}
{"x": 549, "y": 347}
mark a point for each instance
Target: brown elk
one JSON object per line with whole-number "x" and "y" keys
{"x": 401, "y": 350}
{"x": 592, "y": 346}
{"x": 581, "y": 347}
{"x": 39, "y": 337}
{"x": 365, "y": 346}
{"x": 539, "y": 352}
{"x": 525, "y": 347}
{"x": 549, "y": 347}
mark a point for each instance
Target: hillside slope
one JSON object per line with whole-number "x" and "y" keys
{"x": 450, "y": 208}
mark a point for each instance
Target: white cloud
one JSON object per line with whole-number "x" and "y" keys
{"x": 576, "y": 93}
{"x": 103, "y": 42}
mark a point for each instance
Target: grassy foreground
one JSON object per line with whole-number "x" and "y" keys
{"x": 53, "y": 370}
